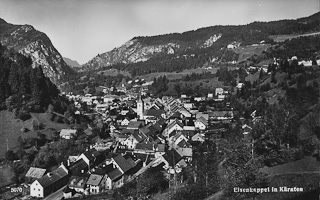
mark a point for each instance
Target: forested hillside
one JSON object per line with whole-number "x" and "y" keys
{"x": 22, "y": 86}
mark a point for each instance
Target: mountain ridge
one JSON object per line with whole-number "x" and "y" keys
{"x": 142, "y": 48}
{"x": 28, "y": 41}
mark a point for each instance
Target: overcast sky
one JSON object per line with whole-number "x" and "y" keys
{"x": 80, "y": 29}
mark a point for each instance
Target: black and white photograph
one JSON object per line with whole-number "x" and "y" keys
{"x": 160, "y": 99}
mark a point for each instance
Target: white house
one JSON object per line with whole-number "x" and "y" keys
{"x": 96, "y": 183}
{"x": 49, "y": 183}
{"x": 201, "y": 123}
{"x": 67, "y": 133}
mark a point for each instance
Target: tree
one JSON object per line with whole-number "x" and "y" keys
{"x": 10, "y": 155}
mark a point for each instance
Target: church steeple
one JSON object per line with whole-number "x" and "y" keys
{"x": 140, "y": 106}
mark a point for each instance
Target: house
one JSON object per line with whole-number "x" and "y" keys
{"x": 78, "y": 182}
{"x": 125, "y": 122}
{"x": 79, "y": 166}
{"x": 219, "y": 91}
{"x": 90, "y": 157}
{"x": 35, "y": 173}
{"x": 67, "y": 133}
{"x": 221, "y": 115}
{"x": 96, "y": 183}
{"x": 50, "y": 182}
{"x": 198, "y": 138}
{"x": 201, "y": 123}
{"x": 173, "y": 125}
{"x": 115, "y": 179}
{"x": 134, "y": 139}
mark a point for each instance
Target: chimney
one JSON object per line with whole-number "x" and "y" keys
{"x": 49, "y": 174}
{"x": 68, "y": 162}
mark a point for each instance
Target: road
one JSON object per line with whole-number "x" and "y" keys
{"x": 56, "y": 195}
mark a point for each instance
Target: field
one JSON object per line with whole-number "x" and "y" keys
{"x": 10, "y": 129}
{"x": 282, "y": 38}
{"x": 250, "y": 50}
{"x": 204, "y": 84}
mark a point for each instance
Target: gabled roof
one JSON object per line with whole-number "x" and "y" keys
{"x": 91, "y": 155}
{"x": 202, "y": 120}
{"x": 94, "y": 179}
{"x": 53, "y": 177}
{"x": 184, "y": 152}
{"x": 173, "y": 123}
{"x": 35, "y": 172}
{"x": 122, "y": 163}
{"x": 172, "y": 157}
{"x": 184, "y": 144}
{"x": 78, "y": 166}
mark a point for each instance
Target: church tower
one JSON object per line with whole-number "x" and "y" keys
{"x": 140, "y": 106}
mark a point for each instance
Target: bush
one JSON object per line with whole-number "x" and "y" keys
{"x": 23, "y": 115}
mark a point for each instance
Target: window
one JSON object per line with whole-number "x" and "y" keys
{"x": 34, "y": 188}
{"x": 38, "y": 189}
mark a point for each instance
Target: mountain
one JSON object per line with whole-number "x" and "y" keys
{"x": 208, "y": 43}
{"x": 28, "y": 41}
{"x": 71, "y": 63}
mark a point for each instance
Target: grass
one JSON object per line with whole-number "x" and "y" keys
{"x": 282, "y": 38}
{"x": 248, "y": 51}
{"x": 177, "y": 75}
{"x": 306, "y": 165}
{"x": 5, "y": 176}
{"x": 10, "y": 129}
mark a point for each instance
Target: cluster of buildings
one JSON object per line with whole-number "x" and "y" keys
{"x": 144, "y": 133}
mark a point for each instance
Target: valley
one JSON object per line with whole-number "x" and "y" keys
{"x": 190, "y": 115}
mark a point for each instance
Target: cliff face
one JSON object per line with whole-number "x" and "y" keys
{"x": 130, "y": 52}
{"x": 30, "y": 42}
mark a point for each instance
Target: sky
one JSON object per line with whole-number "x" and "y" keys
{"x": 80, "y": 29}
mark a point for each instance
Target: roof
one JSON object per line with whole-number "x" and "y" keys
{"x": 88, "y": 131}
{"x": 154, "y": 113}
{"x": 184, "y": 144}
{"x": 53, "y": 177}
{"x": 78, "y": 166}
{"x": 123, "y": 164}
{"x": 91, "y": 155}
{"x": 78, "y": 181}
{"x": 114, "y": 174}
{"x": 35, "y": 172}
{"x": 67, "y": 132}
{"x": 135, "y": 124}
{"x": 94, "y": 179}
{"x": 173, "y": 123}
{"x": 202, "y": 120}
{"x": 185, "y": 152}
{"x": 172, "y": 157}
{"x": 146, "y": 147}
{"x": 138, "y": 136}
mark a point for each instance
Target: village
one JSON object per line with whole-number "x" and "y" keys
{"x": 145, "y": 132}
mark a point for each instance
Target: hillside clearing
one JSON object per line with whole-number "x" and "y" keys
{"x": 282, "y": 38}
{"x": 10, "y": 128}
